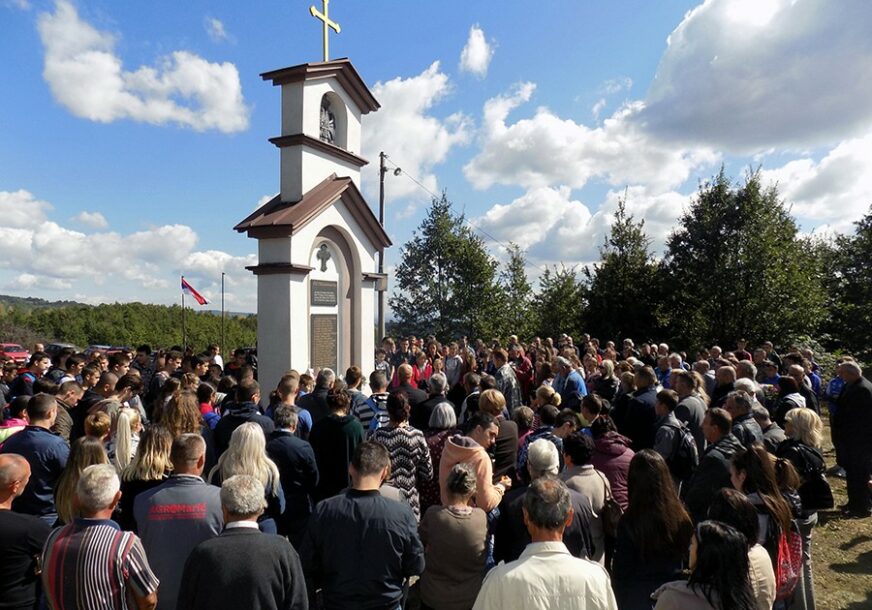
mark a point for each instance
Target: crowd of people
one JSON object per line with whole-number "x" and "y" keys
{"x": 547, "y": 474}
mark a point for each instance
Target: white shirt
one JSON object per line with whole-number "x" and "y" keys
{"x": 240, "y": 524}
{"x": 546, "y": 577}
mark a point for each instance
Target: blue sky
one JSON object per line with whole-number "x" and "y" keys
{"x": 133, "y": 136}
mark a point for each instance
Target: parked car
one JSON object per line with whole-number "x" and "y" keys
{"x": 15, "y": 352}
{"x": 52, "y": 349}
{"x": 97, "y": 348}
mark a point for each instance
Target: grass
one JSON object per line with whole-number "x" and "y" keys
{"x": 841, "y": 554}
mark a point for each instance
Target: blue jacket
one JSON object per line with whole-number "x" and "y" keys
{"x": 572, "y": 391}
{"x": 47, "y": 454}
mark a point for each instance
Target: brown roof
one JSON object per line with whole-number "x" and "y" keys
{"x": 278, "y": 218}
{"x": 341, "y": 69}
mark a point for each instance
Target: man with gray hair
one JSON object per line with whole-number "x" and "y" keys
{"x": 511, "y": 536}
{"x": 546, "y": 565}
{"x": 91, "y": 564}
{"x": 421, "y": 412}
{"x": 853, "y": 420}
{"x": 243, "y": 568}
{"x": 745, "y": 427}
{"x": 177, "y": 515}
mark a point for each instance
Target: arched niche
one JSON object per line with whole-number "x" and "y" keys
{"x": 334, "y": 120}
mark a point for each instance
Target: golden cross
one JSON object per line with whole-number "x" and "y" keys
{"x": 327, "y": 24}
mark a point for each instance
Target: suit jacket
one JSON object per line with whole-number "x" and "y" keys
{"x": 853, "y": 417}
{"x": 316, "y": 404}
{"x": 414, "y": 395}
{"x": 298, "y": 470}
{"x": 640, "y": 423}
{"x": 267, "y": 564}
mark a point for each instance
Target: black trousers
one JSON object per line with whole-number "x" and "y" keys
{"x": 858, "y": 466}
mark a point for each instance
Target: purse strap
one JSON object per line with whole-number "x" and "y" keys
{"x": 608, "y": 491}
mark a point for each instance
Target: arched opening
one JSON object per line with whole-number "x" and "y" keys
{"x": 334, "y": 120}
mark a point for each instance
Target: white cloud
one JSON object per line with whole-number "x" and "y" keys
{"x": 746, "y": 75}
{"x": 43, "y": 255}
{"x": 616, "y": 85}
{"x": 263, "y": 200}
{"x": 413, "y": 138}
{"x": 86, "y": 76}
{"x": 95, "y": 220}
{"x": 555, "y": 228}
{"x": 477, "y": 54}
{"x": 215, "y": 29}
{"x": 547, "y": 150}
{"x": 836, "y": 190}
{"x": 598, "y": 107}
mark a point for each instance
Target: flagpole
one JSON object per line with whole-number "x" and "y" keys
{"x": 184, "y": 324}
{"x": 223, "y": 350}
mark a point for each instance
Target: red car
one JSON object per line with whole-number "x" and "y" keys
{"x": 16, "y": 352}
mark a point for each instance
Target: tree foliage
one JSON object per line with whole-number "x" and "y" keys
{"x": 620, "y": 291}
{"x": 446, "y": 282}
{"x": 736, "y": 267}
{"x": 848, "y": 282}
{"x": 517, "y": 301}
{"x": 558, "y": 304}
{"x": 125, "y": 324}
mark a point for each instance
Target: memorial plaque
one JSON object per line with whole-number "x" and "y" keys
{"x": 323, "y": 340}
{"x": 323, "y": 294}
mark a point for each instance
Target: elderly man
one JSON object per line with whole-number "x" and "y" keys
{"x": 691, "y": 407}
{"x": 177, "y": 515}
{"x": 91, "y": 564}
{"x": 511, "y": 536}
{"x": 421, "y": 412}
{"x": 316, "y": 401}
{"x": 21, "y": 538}
{"x": 47, "y": 454}
{"x": 243, "y": 567}
{"x": 852, "y": 422}
{"x": 798, "y": 373}
{"x": 360, "y": 547}
{"x": 745, "y": 427}
{"x": 546, "y": 575}
{"x": 570, "y": 384}
{"x": 640, "y": 422}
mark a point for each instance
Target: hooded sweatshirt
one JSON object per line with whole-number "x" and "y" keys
{"x": 464, "y": 450}
{"x": 611, "y": 456}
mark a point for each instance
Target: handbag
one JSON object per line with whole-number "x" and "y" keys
{"x": 611, "y": 512}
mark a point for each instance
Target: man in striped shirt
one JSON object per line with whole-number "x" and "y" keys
{"x": 91, "y": 564}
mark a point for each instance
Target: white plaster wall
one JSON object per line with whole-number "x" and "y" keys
{"x": 317, "y": 165}
{"x": 292, "y": 109}
{"x": 273, "y": 329}
{"x": 291, "y": 173}
{"x": 313, "y": 91}
{"x": 275, "y": 250}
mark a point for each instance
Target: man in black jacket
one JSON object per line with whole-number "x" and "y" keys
{"x": 267, "y": 564}
{"x": 713, "y": 472}
{"x": 316, "y": 401}
{"x": 415, "y": 396}
{"x": 640, "y": 421}
{"x": 244, "y": 410}
{"x": 421, "y": 412}
{"x": 853, "y": 422}
{"x": 360, "y": 547}
{"x": 298, "y": 470}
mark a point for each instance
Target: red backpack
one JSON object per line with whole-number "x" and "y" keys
{"x": 788, "y": 568}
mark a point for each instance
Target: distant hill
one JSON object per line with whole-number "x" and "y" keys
{"x": 27, "y": 303}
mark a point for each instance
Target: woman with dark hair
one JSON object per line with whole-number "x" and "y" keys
{"x": 653, "y": 533}
{"x": 410, "y": 456}
{"x": 733, "y": 508}
{"x": 334, "y": 439}
{"x": 719, "y": 573}
{"x": 753, "y": 473}
{"x": 788, "y": 398}
{"x": 612, "y": 456}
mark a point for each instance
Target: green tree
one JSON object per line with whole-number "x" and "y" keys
{"x": 620, "y": 291}
{"x": 517, "y": 310}
{"x": 736, "y": 267}
{"x": 558, "y": 304}
{"x": 848, "y": 282}
{"x": 446, "y": 282}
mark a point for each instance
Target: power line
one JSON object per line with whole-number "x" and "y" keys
{"x": 398, "y": 169}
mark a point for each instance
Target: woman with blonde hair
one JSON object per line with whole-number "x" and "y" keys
{"x": 84, "y": 451}
{"x": 246, "y": 454}
{"x": 606, "y": 384}
{"x": 804, "y": 430}
{"x": 122, "y": 447}
{"x": 545, "y": 395}
{"x": 182, "y": 414}
{"x": 149, "y": 468}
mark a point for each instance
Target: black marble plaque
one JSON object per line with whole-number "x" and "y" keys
{"x": 323, "y": 293}
{"x": 323, "y": 340}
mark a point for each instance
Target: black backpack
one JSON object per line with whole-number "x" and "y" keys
{"x": 815, "y": 490}
{"x": 685, "y": 456}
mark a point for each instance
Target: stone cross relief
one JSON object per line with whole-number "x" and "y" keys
{"x": 323, "y": 256}
{"x": 328, "y": 124}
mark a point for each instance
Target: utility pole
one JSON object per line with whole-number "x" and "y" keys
{"x": 381, "y": 253}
